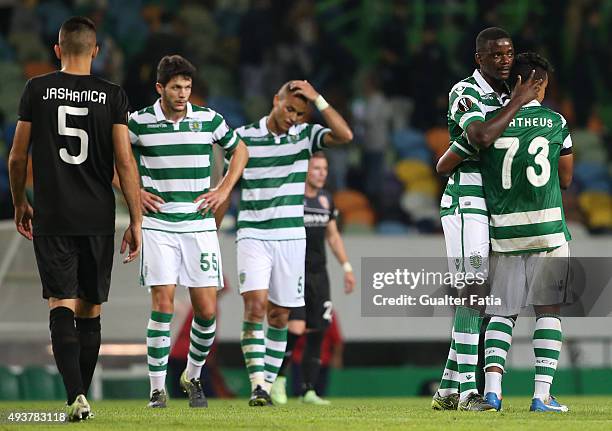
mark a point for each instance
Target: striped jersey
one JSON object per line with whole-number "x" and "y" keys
{"x": 174, "y": 161}
{"x": 521, "y": 182}
{"x": 469, "y": 100}
{"x": 273, "y": 181}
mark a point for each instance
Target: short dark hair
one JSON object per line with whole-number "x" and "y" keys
{"x": 77, "y": 35}
{"x": 319, "y": 155}
{"x": 488, "y": 34}
{"x": 286, "y": 89}
{"x": 525, "y": 62}
{"x": 174, "y": 65}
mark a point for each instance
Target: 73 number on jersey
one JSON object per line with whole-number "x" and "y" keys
{"x": 538, "y": 147}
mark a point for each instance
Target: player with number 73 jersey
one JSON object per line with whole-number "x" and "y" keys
{"x": 526, "y": 210}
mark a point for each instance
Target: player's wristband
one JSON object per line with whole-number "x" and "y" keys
{"x": 347, "y": 267}
{"x": 321, "y": 103}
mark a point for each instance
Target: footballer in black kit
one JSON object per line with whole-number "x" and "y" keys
{"x": 318, "y": 211}
{"x": 76, "y": 126}
{"x": 74, "y": 203}
{"x": 312, "y": 320}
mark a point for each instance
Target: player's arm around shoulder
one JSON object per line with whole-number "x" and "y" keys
{"x": 340, "y": 132}
{"x": 459, "y": 150}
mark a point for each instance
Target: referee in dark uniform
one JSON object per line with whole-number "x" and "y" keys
{"x": 315, "y": 317}
{"x": 76, "y": 125}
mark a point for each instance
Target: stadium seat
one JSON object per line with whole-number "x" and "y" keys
{"x": 35, "y": 68}
{"x": 409, "y": 171}
{"x": 411, "y": 144}
{"x": 438, "y": 141}
{"x": 37, "y": 383}
{"x": 420, "y": 206}
{"x": 590, "y": 175}
{"x": 597, "y": 207}
{"x": 9, "y": 385}
{"x": 348, "y": 200}
{"x": 363, "y": 216}
{"x": 426, "y": 185}
{"x": 391, "y": 227}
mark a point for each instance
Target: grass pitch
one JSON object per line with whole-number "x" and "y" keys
{"x": 586, "y": 413}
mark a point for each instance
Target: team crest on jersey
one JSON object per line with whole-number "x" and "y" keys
{"x": 242, "y": 277}
{"x": 324, "y": 201}
{"x": 195, "y": 126}
{"x": 476, "y": 260}
{"x": 464, "y": 104}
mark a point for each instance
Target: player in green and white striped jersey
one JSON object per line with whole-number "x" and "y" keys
{"x": 173, "y": 144}
{"x": 523, "y": 172}
{"x": 463, "y": 208}
{"x": 271, "y": 239}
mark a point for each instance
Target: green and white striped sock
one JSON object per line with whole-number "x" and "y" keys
{"x": 498, "y": 339}
{"x": 276, "y": 343}
{"x": 158, "y": 348}
{"x": 253, "y": 346}
{"x": 547, "y": 342}
{"x": 450, "y": 378}
{"x": 201, "y": 339}
{"x": 466, "y": 335}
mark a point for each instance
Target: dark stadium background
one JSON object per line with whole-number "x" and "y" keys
{"x": 387, "y": 66}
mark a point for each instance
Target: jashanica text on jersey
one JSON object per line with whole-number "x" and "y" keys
{"x": 75, "y": 96}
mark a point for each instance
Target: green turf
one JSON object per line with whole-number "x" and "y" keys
{"x": 587, "y": 413}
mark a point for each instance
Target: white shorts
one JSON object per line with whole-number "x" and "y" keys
{"x": 274, "y": 265}
{"x": 529, "y": 279}
{"x": 467, "y": 243}
{"x": 190, "y": 259}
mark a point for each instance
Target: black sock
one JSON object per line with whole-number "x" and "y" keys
{"x": 65, "y": 342}
{"x": 291, "y": 340}
{"x": 311, "y": 361}
{"x": 88, "y": 330}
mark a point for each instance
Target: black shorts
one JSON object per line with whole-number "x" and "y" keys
{"x": 73, "y": 267}
{"x": 318, "y": 310}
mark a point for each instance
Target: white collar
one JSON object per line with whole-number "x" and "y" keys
{"x": 263, "y": 125}
{"x": 159, "y": 113}
{"x": 534, "y": 102}
{"x": 482, "y": 83}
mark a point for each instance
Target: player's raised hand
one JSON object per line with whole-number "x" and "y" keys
{"x": 526, "y": 91}
{"x": 349, "y": 282}
{"x": 132, "y": 238}
{"x": 303, "y": 88}
{"x": 150, "y": 202}
{"x": 23, "y": 220}
{"x": 212, "y": 200}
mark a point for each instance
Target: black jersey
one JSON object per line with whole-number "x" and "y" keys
{"x": 318, "y": 211}
{"x": 72, "y": 120}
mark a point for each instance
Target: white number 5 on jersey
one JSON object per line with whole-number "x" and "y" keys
{"x": 62, "y": 112}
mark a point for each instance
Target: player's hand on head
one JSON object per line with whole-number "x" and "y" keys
{"x": 349, "y": 282}
{"x": 150, "y": 202}
{"x": 528, "y": 90}
{"x": 212, "y": 200}
{"x": 132, "y": 238}
{"x": 23, "y": 220}
{"x": 303, "y": 88}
